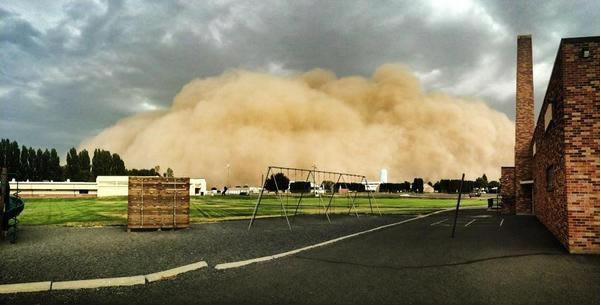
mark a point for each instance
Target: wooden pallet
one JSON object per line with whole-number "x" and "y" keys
{"x": 158, "y": 202}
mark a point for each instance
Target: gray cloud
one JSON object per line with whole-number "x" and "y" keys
{"x": 70, "y": 69}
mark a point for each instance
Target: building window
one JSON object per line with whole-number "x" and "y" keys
{"x": 548, "y": 115}
{"x": 549, "y": 178}
{"x": 586, "y": 52}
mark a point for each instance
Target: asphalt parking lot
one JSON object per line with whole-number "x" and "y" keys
{"x": 493, "y": 259}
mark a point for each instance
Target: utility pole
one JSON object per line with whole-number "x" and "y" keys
{"x": 4, "y": 195}
{"x": 458, "y": 202}
{"x": 228, "y": 175}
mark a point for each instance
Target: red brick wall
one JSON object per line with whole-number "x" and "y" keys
{"x": 508, "y": 189}
{"x": 524, "y": 123}
{"x": 550, "y": 203}
{"x": 581, "y": 115}
{"x": 570, "y": 146}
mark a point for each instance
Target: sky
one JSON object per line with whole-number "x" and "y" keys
{"x": 70, "y": 69}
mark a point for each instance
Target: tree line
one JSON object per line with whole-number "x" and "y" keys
{"x": 27, "y": 163}
{"x": 279, "y": 182}
{"x": 453, "y": 185}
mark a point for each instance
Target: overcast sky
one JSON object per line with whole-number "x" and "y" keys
{"x": 69, "y": 69}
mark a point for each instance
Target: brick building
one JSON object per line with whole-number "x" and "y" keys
{"x": 556, "y": 173}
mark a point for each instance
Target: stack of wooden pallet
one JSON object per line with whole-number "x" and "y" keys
{"x": 158, "y": 202}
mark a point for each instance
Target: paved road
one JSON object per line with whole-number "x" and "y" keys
{"x": 417, "y": 262}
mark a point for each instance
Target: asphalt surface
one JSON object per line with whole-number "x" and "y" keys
{"x": 56, "y": 253}
{"x": 493, "y": 259}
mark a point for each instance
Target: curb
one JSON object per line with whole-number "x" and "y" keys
{"x": 100, "y": 282}
{"x": 171, "y": 273}
{"x": 25, "y": 287}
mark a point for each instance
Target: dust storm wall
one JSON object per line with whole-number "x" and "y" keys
{"x": 354, "y": 124}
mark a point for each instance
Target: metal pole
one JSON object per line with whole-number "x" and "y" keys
{"x": 3, "y": 198}
{"x": 277, "y": 188}
{"x": 352, "y": 204}
{"x": 301, "y": 197}
{"x": 332, "y": 196}
{"x": 458, "y": 202}
{"x": 369, "y": 198}
{"x": 258, "y": 201}
{"x": 228, "y": 175}
{"x": 322, "y": 204}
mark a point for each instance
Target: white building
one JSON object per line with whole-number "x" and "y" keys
{"x": 112, "y": 186}
{"x": 198, "y": 187}
{"x": 372, "y": 186}
{"x": 105, "y": 186}
{"x": 53, "y": 189}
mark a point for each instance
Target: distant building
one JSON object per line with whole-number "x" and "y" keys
{"x": 556, "y": 172}
{"x": 53, "y": 189}
{"x": 105, "y": 186}
{"x": 198, "y": 187}
{"x": 372, "y": 186}
{"x": 112, "y": 186}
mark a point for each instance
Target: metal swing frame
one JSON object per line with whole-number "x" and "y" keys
{"x": 311, "y": 173}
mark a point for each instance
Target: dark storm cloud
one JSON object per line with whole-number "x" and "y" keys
{"x": 70, "y": 69}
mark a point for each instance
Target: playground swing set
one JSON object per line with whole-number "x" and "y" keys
{"x": 309, "y": 185}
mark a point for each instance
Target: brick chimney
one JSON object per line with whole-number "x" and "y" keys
{"x": 524, "y": 125}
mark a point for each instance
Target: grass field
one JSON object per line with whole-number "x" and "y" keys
{"x": 113, "y": 211}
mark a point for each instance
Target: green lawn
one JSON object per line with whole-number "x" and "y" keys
{"x": 113, "y": 211}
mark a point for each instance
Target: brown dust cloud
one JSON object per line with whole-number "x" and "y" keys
{"x": 353, "y": 124}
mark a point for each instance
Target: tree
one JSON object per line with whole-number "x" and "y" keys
{"x": 169, "y": 172}
{"x": 102, "y": 163}
{"x": 157, "y": 169}
{"x": 33, "y": 165}
{"x": 84, "y": 166}
{"x": 117, "y": 165}
{"x": 300, "y": 187}
{"x": 493, "y": 184}
{"x": 479, "y": 183}
{"x": 73, "y": 165}
{"x": 10, "y": 157}
{"x": 38, "y": 165}
{"x": 277, "y": 182}
{"x": 328, "y": 186}
{"x": 45, "y": 165}
{"x": 25, "y": 172}
{"x": 14, "y": 159}
{"x": 485, "y": 179}
{"x": 418, "y": 185}
{"x": 54, "y": 166}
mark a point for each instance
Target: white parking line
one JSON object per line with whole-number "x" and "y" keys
{"x": 241, "y": 263}
{"x": 441, "y": 221}
{"x": 467, "y": 224}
